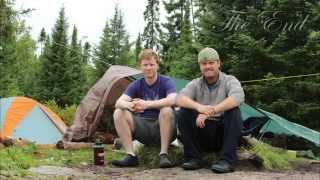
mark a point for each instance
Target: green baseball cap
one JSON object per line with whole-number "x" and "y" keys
{"x": 208, "y": 54}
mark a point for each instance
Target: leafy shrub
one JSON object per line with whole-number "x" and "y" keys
{"x": 15, "y": 161}
{"x": 66, "y": 113}
{"x": 149, "y": 156}
{"x": 274, "y": 158}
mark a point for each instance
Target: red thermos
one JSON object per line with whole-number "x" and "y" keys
{"x": 98, "y": 153}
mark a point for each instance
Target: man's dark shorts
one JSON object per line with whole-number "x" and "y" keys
{"x": 147, "y": 130}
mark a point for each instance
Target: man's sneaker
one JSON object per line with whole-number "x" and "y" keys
{"x": 222, "y": 166}
{"x": 165, "y": 162}
{"x": 192, "y": 164}
{"x": 128, "y": 161}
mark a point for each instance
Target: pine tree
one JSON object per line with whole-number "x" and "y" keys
{"x": 86, "y": 52}
{"x": 55, "y": 83}
{"x": 171, "y": 34}
{"x": 7, "y": 49}
{"x": 42, "y": 38}
{"x": 178, "y": 51}
{"x": 89, "y": 70}
{"x": 43, "y": 35}
{"x": 75, "y": 70}
{"x": 184, "y": 65}
{"x": 119, "y": 39}
{"x": 17, "y": 58}
{"x": 152, "y": 30}
{"x": 27, "y": 63}
{"x": 138, "y": 47}
{"x": 114, "y": 45}
{"x": 103, "y": 58}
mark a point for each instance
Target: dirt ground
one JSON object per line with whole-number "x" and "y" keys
{"x": 301, "y": 172}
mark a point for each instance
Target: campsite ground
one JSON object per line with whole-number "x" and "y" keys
{"x": 244, "y": 172}
{"x": 34, "y": 162}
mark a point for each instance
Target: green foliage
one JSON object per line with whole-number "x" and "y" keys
{"x": 55, "y": 81}
{"x": 149, "y": 156}
{"x": 152, "y": 30}
{"x": 291, "y": 99}
{"x": 90, "y": 73}
{"x": 138, "y": 48}
{"x": 51, "y": 104}
{"x": 16, "y": 52}
{"x": 66, "y": 113}
{"x": 248, "y": 48}
{"x": 256, "y": 51}
{"x": 75, "y": 71}
{"x": 179, "y": 52}
{"x": 15, "y": 161}
{"x": 114, "y": 46}
{"x": 27, "y": 65}
{"x": 56, "y": 157}
{"x": 61, "y": 74}
{"x": 13, "y": 89}
{"x": 102, "y": 53}
{"x": 119, "y": 40}
{"x": 7, "y": 46}
{"x": 132, "y": 61}
{"x": 309, "y": 113}
{"x": 274, "y": 158}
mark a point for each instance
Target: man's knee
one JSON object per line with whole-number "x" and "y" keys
{"x": 184, "y": 114}
{"x": 233, "y": 116}
{"x": 117, "y": 113}
{"x": 120, "y": 114}
{"x": 233, "y": 113}
{"x": 166, "y": 112}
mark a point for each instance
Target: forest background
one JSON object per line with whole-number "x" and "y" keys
{"x": 257, "y": 40}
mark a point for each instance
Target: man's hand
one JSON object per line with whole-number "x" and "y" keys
{"x": 200, "y": 122}
{"x": 139, "y": 105}
{"x": 130, "y": 106}
{"x": 206, "y": 109}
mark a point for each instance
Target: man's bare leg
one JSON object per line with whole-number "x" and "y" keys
{"x": 124, "y": 125}
{"x": 166, "y": 122}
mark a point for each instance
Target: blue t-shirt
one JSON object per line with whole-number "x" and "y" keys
{"x": 158, "y": 90}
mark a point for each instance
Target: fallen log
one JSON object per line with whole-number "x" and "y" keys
{"x": 15, "y": 142}
{"x": 106, "y": 138}
{"x": 253, "y": 158}
{"x": 46, "y": 146}
{"x": 251, "y": 141}
{"x": 72, "y": 145}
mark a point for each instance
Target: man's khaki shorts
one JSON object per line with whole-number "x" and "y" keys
{"x": 147, "y": 130}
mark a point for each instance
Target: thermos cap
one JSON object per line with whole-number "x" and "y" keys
{"x": 98, "y": 144}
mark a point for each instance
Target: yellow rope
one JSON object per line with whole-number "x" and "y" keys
{"x": 285, "y": 77}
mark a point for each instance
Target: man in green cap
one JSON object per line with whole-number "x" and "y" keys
{"x": 209, "y": 118}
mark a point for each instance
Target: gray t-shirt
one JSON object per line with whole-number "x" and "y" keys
{"x": 226, "y": 86}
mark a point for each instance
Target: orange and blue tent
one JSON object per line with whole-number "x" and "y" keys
{"x": 25, "y": 118}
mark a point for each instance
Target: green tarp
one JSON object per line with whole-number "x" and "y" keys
{"x": 279, "y": 125}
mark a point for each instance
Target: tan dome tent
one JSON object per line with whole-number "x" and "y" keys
{"x": 98, "y": 104}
